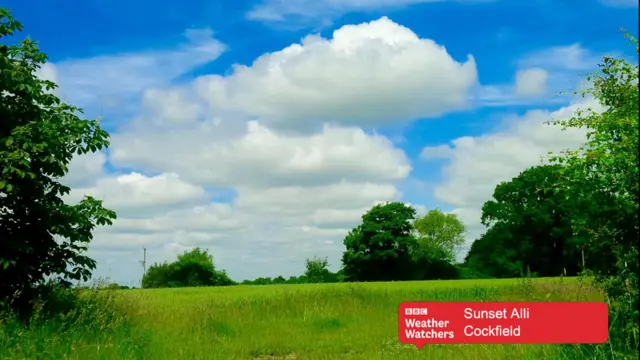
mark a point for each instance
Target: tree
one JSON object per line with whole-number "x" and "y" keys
{"x": 41, "y": 235}
{"x": 379, "y": 248}
{"x": 192, "y": 268}
{"x": 316, "y": 271}
{"x": 495, "y": 254}
{"x": 438, "y": 235}
{"x": 537, "y": 219}
{"x": 601, "y": 177}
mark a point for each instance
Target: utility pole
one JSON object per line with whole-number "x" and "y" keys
{"x": 144, "y": 263}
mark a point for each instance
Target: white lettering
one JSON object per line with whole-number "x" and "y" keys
{"x": 428, "y": 334}
{"x": 492, "y": 331}
{"x": 430, "y": 323}
{"x": 485, "y": 314}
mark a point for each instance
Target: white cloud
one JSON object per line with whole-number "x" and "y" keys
{"x": 436, "y": 152}
{"x": 371, "y": 74}
{"x": 305, "y": 12}
{"x": 477, "y": 164}
{"x": 293, "y": 194}
{"x": 137, "y": 195}
{"x": 111, "y": 81}
{"x": 173, "y": 105}
{"x": 47, "y": 71}
{"x": 84, "y": 169}
{"x": 260, "y": 157}
{"x": 277, "y": 227}
{"x": 571, "y": 57}
{"x": 548, "y": 71}
{"x": 531, "y": 82}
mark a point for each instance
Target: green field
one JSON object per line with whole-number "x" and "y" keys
{"x": 323, "y": 321}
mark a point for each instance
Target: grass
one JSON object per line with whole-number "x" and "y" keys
{"x": 323, "y": 321}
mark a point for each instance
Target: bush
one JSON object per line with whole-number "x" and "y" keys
{"x": 193, "y": 268}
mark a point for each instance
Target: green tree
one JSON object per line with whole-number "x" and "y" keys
{"x": 39, "y": 135}
{"x": 438, "y": 236}
{"x": 192, "y": 268}
{"x": 536, "y": 217}
{"x": 601, "y": 177}
{"x": 494, "y": 255}
{"x": 379, "y": 248}
{"x": 317, "y": 271}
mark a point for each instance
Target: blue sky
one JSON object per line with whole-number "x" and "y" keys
{"x": 266, "y": 162}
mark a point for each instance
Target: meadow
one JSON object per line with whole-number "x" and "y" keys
{"x": 312, "y": 321}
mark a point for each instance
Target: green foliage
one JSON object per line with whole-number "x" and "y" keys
{"x": 438, "y": 236}
{"x": 71, "y": 324}
{"x": 580, "y": 213}
{"x": 379, "y": 248}
{"x": 602, "y": 177}
{"x": 316, "y": 271}
{"x": 495, "y": 255}
{"x": 41, "y": 235}
{"x": 192, "y": 268}
{"x": 530, "y": 228}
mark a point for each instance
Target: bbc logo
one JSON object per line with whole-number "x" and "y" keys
{"x": 416, "y": 311}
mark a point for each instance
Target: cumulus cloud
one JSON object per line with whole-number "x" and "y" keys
{"x": 260, "y": 157}
{"x": 477, "y": 164}
{"x": 173, "y": 105}
{"x": 531, "y": 82}
{"x": 132, "y": 193}
{"x": 222, "y": 162}
{"x": 371, "y": 74}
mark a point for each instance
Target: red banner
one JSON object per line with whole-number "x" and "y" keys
{"x": 422, "y": 323}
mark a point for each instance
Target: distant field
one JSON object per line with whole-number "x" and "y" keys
{"x": 327, "y": 321}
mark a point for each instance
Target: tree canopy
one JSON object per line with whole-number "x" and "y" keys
{"x": 530, "y": 228}
{"x": 42, "y": 236}
{"x": 601, "y": 177}
{"x": 192, "y": 268}
{"x": 439, "y": 235}
{"x": 379, "y": 248}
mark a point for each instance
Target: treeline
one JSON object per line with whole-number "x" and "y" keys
{"x": 390, "y": 244}
{"x": 529, "y": 233}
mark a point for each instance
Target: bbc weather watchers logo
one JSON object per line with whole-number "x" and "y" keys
{"x": 416, "y": 311}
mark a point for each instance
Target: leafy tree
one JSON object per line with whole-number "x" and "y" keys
{"x": 158, "y": 276}
{"x": 438, "y": 236}
{"x": 495, "y": 255}
{"x": 193, "y": 268}
{"x": 536, "y": 218}
{"x": 379, "y": 248}
{"x": 601, "y": 177}
{"x": 41, "y": 235}
{"x": 316, "y": 271}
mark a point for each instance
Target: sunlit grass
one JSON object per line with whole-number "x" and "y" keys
{"x": 323, "y": 321}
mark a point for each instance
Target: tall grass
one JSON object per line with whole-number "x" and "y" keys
{"x": 319, "y": 321}
{"x": 71, "y": 324}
